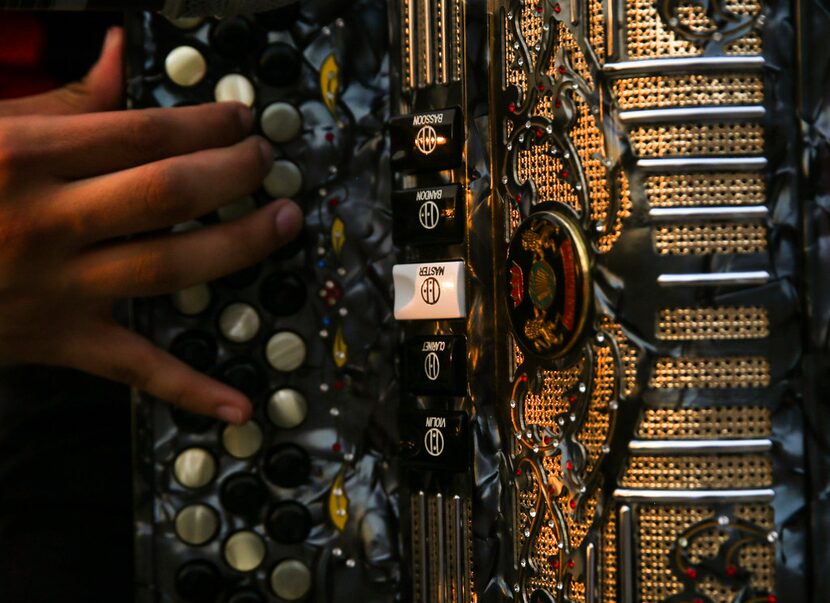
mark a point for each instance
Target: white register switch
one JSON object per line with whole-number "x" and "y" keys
{"x": 429, "y": 291}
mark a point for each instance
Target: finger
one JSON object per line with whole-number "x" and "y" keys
{"x": 115, "y": 353}
{"x": 172, "y": 262}
{"x": 100, "y": 90}
{"x": 161, "y": 194}
{"x": 82, "y": 146}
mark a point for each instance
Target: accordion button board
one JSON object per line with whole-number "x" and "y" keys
{"x": 540, "y": 340}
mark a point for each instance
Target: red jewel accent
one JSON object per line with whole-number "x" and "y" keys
{"x": 569, "y": 466}
{"x": 556, "y": 8}
{"x": 332, "y": 294}
{"x": 772, "y": 599}
{"x": 330, "y": 136}
{"x": 551, "y": 490}
{"x": 731, "y": 570}
{"x": 697, "y": 600}
{"x": 691, "y": 573}
{"x": 564, "y": 173}
{"x": 523, "y": 378}
{"x": 333, "y": 202}
{"x": 571, "y": 399}
{"x": 518, "y": 471}
{"x": 539, "y": 9}
{"x": 539, "y": 133}
{"x": 541, "y": 87}
{"x": 573, "y": 504}
{"x": 571, "y": 563}
{"x": 555, "y": 565}
{"x": 547, "y": 439}
{"x": 512, "y": 107}
{"x": 558, "y": 103}
{"x": 338, "y": 385}
{"x": 562, "y": 69}
{"x": 518, "y": 196}
{"x": 336, "y": 446}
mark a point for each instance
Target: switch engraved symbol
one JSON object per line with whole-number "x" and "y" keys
{"x": 431, "y": 291}
{"x": 428, "y": 215}
{"x": 432, "y": 366}
{"x": 426, "y": 140}
{"x": 434, "y": 442}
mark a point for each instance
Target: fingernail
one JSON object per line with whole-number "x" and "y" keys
{"x": 246, "y": 117}
{"x": 229, "y": 414}
{"x": 289, "y": 219}
{"x": 267, "y": 151}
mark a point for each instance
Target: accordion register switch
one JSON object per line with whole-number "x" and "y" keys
{"x": 429, "y": 141}
{"x": 428, "y": 216}
{"x": 429, "y": 291}
{"x": 436, "y": 364}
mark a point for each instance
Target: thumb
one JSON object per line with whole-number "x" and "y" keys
{"x": 100, "y": 90}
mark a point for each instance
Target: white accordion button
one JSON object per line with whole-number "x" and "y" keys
{"x": 235, "y": 87}
{"x": 185, "y": 66}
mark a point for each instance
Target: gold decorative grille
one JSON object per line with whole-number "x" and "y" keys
{"x": 698, "y": 139}
{"x": 659, "y": 528}
{"x": 578, "y": 592}
{"x": 546, "y": 171}
{"x": 699, "y": 472}
{"x": 630, "y": 355}
{"x": 609, "y": 558}
{"x": 685, "y": 190}
{"x": 531, "y": 28}
{"x": 693, "y": 324}
{"x": 705, "y": 423}
{"x": 594, "y": 432}
{"x": 688, "y": 90}
{"x": 647, "y": 36}
{"x": 578, "y": 529}
{"x": 545, "y": 551}
{"x": 760, "y": 560}
{"x": 565, "y": 39}
{"x": 542, "y": 408}
{"x": 596, "y": 29}
{"x": 722, "y": 237}
{"x": 590, "y": 145}
{"x": 727, "y": 372}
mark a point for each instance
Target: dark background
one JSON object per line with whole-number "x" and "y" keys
{"x": 65, "y": 465}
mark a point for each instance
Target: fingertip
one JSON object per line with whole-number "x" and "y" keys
{"x": 288, "y": 220}
{"x": 105, "y": 78}
{"x": 232, "y": 414}
{"x": 113, "y": 39}
{"x": 243, "y": 113}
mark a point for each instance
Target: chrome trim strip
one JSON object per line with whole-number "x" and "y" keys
{"x": 692, "y": 114}
{"x": 694, "y": 496}
{"x": 413, "y": 43}
{"x": 441, "y": 546}
{"x": 703, "y": 164}
{"x": 746, "y": 212}
{"x": 460, "y": 569}
{"x": 714, "y": 279}
{"x": 627, "y": 554}
{"x": 698, "y": 446}
{"x": 624, "y": 68}
{"x": 422, "y": 534}
{"x": 590, "y": 573}
{"x": 442, "y": 68}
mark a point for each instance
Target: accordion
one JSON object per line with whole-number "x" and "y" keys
{"x": 546, "y": 336}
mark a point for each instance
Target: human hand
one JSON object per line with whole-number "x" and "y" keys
{"x": 76, "y": 176}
